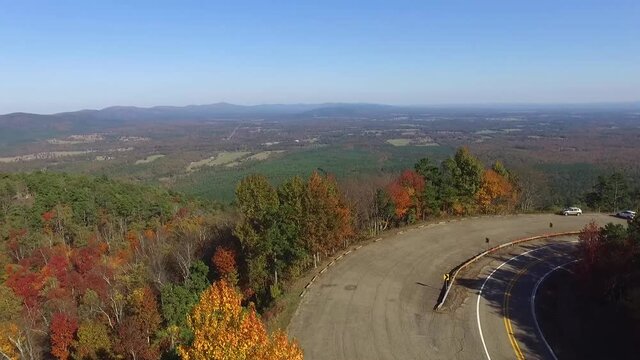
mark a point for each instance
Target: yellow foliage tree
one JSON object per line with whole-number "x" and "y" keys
{"x": 224, "y": 330}
{"x": 8, "y": 331}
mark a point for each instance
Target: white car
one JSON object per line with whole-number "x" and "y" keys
{"x": 627, "y": 214}
{"x": 572, "y": 211}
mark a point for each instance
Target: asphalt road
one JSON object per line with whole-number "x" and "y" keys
{"x": 506, "y": 299}
{"x": 376, "y": 303}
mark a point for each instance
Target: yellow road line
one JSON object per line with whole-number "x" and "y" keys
{"x": 506, "y": 318}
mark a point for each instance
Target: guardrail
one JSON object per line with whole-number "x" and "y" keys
{"x": 450, "y": 277}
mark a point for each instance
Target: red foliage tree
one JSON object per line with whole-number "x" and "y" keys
{"x": 225, "y": 262}
{"x": 24, "y": 283}
{"x": 405, "y": 192}
{"x": 134, "y": 334}
{"x": 85, "y": 259}
{"x": 62, "y": 330}
{"x": 589, "y": 247}
{"x": 48, "y": 215}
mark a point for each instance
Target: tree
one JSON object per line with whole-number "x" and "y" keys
{"x": 93, "y": 341}
{"x": 499, "y": 168}
{"x": 610, "y": 193}
{"x": 384, "y": 210}
{"x": 461, "y": 179}
{"x": 286, "y": 235}
{"x": 360, "y": 194}
{"x": 327, "y": 218}
{"x": 223, "y": 329}
{"x": 9, "y": 333}
{"x": 137, "y": 332}
{"x": 256, "y": 198}
{"x": 144, "y": 312}
{"x": 63, "y": 329}
{"x": 431, "y": 196}
{"x": 224, "y": 261}
{"x": 496, "y": 194}
{"x": 470, "y": 171}
{"x": 606, "y": 263}
{"x": 258, "y": 203}
{"x": 179, "y": 299}
{"x": 407, "y": 194}
{"x": 10, "y": 311}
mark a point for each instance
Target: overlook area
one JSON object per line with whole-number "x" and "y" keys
{"x": 339, "y": 180}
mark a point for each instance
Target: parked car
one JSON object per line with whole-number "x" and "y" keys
{"x": 572, "y": 211}
{"x": 627, "y": 214}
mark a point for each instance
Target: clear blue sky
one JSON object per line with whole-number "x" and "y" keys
{"x": 66, "y": 55}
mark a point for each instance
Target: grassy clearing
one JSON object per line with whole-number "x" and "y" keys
{"x": 261, "y": 156}
{"x": 399, "y": 142}
{"x": 222, "y": 158}
{"x": 149, "y": 159}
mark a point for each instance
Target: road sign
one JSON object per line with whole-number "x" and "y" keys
{"x": 446, "y": 277}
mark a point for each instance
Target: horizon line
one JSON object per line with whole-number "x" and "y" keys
{"x": 432, "y": 105}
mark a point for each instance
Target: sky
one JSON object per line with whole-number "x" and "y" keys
{"x": 62, "y": 55}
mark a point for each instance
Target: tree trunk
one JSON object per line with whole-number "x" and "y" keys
{"x": 276, "y": 276}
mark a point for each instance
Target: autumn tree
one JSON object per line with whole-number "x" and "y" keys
{"x": 137, "y": 332}
{"x": 327, "y": 218}
{"x": 496, "y": 193}
{"x": 63, "y": 330}
{"x": 10, "y": 311}
{"x": 606, "y": 259}
{"x": 93, "y": 341}
{"x": 224, "y": 260}
{"x": 223, "y": 329}
{"x": 406, "y": 193}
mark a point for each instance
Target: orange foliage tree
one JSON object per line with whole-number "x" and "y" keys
{"x": 223, "y": 329}
{"x": 405, "y": 192}
{"x": 327, "y": 218}
{"x": 496, "y": 193}
{"x": 224, "y": 261}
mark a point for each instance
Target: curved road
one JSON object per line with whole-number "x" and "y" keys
{"x": 376, "y": 303}
{"x": 506, "y": 300}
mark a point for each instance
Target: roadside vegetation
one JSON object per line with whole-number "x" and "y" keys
{"x": 609, "y": 267}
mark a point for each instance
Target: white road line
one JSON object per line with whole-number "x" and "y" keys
{"x": 484, "y": 345}
{"x": 533, "y": 305}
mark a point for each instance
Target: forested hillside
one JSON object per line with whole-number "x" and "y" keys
{"x": 95, "y": 268}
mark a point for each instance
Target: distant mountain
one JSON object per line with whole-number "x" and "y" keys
{"x": 337, "y": 110}
{"x": 17, "y": 127}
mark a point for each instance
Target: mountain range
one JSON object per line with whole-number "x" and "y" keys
{"x": 15, "y": 127}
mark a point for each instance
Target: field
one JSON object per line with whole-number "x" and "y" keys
{"x": 149, "y": 159}
{"x": 222, "y": 158}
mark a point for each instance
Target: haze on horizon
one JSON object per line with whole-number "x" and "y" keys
{"x": 70, "y": 55}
